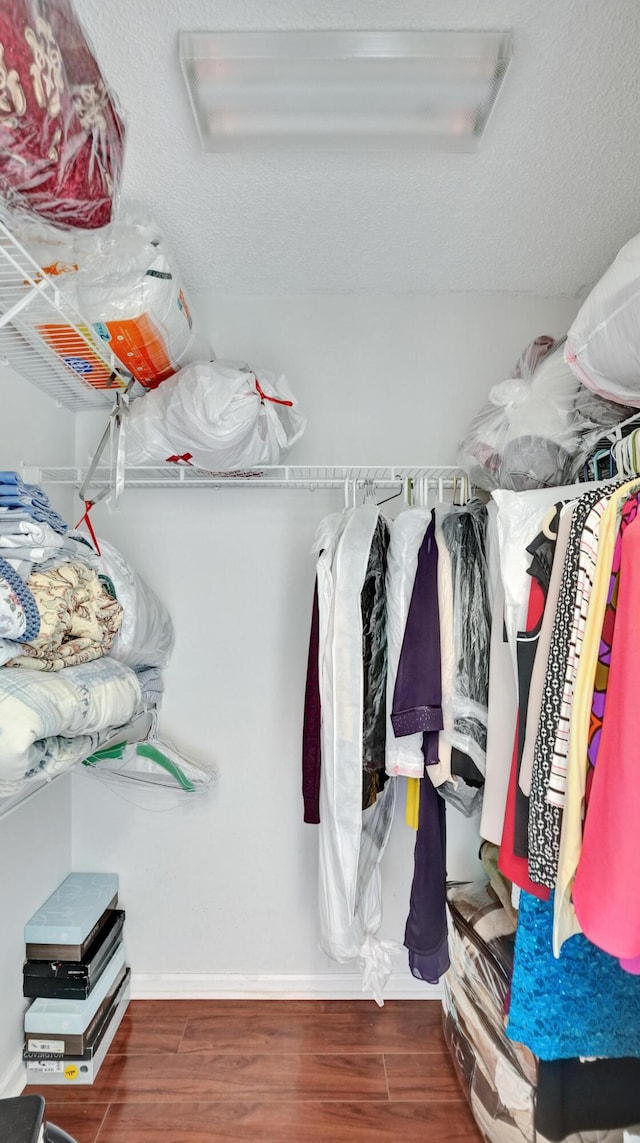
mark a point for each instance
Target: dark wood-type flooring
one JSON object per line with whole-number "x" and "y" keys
{"x": 189, "y": 1071}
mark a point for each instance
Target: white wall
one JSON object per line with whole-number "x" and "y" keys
{"x": 229, "y": 887}
{"x": 35, "y": 838}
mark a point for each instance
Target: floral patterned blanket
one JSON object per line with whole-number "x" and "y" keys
{"x": 79, "y": 619}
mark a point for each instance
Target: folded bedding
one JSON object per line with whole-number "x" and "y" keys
{"x": 19, "y": 615}
{"x": 73, "y": 626}
{"x": 79, "y": 619}
{"x": 50, "y": 721}
{"x": 151, "y": 685}
{"x": 18, "y": 499}
{"x": 18, "y": 530}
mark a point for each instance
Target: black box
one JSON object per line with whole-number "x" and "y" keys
{"x": 74, "y": 979}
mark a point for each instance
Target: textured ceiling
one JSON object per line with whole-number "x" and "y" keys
{"x": 542, "y": 207}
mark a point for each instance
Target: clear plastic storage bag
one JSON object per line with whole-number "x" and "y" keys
{"x": 129, "y": 289}
{"x": 153, "y": 762}
{"x": 465, "y": 534}
{"x": 61, "y": 133}
{"x": 215, "y": 416}
{"x": 525, "y": 435}
{"x": 146, "y": 637}
{"x": 124, "y": 282}
{"x": 603, "y": 347}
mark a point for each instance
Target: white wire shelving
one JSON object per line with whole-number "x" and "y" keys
{"x": 46, "y": 340}
{"x": 429, "y": 479}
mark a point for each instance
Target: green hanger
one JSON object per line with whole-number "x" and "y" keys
{"x": 146, "y": 751}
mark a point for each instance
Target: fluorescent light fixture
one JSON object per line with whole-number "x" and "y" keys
{"x": 333, "y": 91}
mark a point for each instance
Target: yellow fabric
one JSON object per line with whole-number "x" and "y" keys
{"x": 412, "y": 810}
{"x": 565, "y": 922}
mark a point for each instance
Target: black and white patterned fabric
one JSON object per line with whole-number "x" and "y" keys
{"x": 545, "y": 820}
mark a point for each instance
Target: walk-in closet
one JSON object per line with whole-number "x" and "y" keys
{"x": 319, "y": 482}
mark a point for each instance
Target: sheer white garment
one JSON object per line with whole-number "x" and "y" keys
{"x": 520, "y": 518}
{"x": 351, "y": 844}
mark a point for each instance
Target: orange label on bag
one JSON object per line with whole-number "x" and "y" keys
{"x": 78, "y": 356}
{"x": 140, "y": 346}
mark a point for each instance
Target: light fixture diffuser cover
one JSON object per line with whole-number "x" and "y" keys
{"x": 335, "y": 91}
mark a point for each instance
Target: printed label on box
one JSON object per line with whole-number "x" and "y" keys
{"x": 45, "y": 1066}
{"x": 49, "y": 1047}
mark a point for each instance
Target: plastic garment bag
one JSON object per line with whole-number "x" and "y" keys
{"x": 403, "y": 755}
{"x": 465, "y": 532}
{"x": 351, "y": 844}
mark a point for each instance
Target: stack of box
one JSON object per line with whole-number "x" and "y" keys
{"x": 77, "y": 975}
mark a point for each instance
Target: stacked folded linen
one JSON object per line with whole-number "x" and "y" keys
{"x": 50, "y": 721}
{"x": 25, "y": 543}
{"x": 29, "y": 500}
{"x": 82, "y": 641}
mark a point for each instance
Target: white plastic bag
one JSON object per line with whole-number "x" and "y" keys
{"x": 130, "y": 291}
{"x": 146, "y": 635}
{"x": 123, "y": 281}
{"x": 525, "y": 436}
{"x": 603, "y": 346}
{"x": 215, "y": 416}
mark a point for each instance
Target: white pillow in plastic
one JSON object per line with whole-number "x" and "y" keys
{"x": 603, "y": 344}
{"x": 146, "y": 637}
{"x": 215, "y": 416}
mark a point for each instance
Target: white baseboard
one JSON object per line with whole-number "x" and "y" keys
{"x": 271, "y": 986}
{"x": 14, "y": 1078}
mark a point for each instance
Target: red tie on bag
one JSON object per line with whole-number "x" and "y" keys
{"x": 86, "y": 519}
{"x": 265, "y": 397}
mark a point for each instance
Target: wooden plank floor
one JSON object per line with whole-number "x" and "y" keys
{"x": 188, "y": 1071}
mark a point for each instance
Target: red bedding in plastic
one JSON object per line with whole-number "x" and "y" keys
{"x": 61, "y": 135}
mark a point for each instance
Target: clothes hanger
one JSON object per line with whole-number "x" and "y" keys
{"x": 369, "y": 493}
{"x": 464, "y": 487}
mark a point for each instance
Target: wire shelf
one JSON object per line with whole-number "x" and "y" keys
{"x": 309, "y": 477}
{"x": 46, "y": 340}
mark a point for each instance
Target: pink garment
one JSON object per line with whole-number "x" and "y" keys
{"x": 605, "y": 892}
